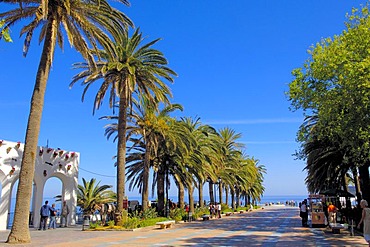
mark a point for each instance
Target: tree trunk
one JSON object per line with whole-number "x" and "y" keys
{"x": 191, "y": 198}
{"x": 211, "y": 197}
{"x": 248, "y": 199}
{"x": 357, "y": 184}
{"x": 232, "y": 192}
{"x": 237, "y": 194}
{"x": 145, "y": 192}
{"x": 220, "y": 191}
{"x": 20, "y": 229}
{"x": 365, "y": 181}
{"x": 200, "y": 193}
{"x": 181, "y": 193}
{"x": 121, "y": 157}
{"x": 160, "y": 190}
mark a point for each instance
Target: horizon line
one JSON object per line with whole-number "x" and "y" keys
{"x": 255, "y": 121}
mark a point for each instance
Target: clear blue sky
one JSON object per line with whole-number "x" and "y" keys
{"x": 234, "y": 61}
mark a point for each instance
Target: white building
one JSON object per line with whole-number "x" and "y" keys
{"x": 49, "y": 163}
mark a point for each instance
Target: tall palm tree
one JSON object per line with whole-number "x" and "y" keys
{"x": 131, "y": 67}
{"x": 85, "y": 23}
{"x": 147, "y": 126}
{"x": 199, "y": 161}
{"x": 151, "y": 124}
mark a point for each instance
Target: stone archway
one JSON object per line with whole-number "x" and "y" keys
{"x": 49, "y": 163}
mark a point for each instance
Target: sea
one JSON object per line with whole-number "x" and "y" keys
{"x": 268, "y": 199}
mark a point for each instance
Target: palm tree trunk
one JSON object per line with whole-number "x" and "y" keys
{"x": 160, "y": 190}
{"x": 237, "y": 197}
{"x": 200, "y": 193}
{"x": 20, "y": 229}
{"x": 145, "y": 192}
{"x": 232, "y": 192}
{"x": 211, "y": 197}
{"x": 191, "y": 198}
{"x": 181, "y": 192}
{"x": 121, "y": 156}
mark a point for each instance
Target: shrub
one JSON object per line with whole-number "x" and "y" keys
{"x": 93, "y": 225}
{"x": 150, "y": 213}
{"x": 111, "y": 224}
{"x": 177, "y": 214}
{"x": 198, "y": 212}
{"x": 225, "y": 207}
{"x": 150, "y": 222}
{"x": 131, "y": 223}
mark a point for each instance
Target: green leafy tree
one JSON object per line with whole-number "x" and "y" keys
{"x": 85, "y": 23}
{"x": 130, "y": 67}
{"x": 334, "y": 85}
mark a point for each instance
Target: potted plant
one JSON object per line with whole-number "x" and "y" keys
{"x": 11, "y": 172}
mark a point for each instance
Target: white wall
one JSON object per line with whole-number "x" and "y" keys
{"x": 49, "y": 163}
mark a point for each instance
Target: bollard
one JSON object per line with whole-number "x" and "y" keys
{"x": 190, "y": 216}
{"x": 86, "y": 222}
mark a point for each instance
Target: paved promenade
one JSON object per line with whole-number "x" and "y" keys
{"x": 272, "y": 226}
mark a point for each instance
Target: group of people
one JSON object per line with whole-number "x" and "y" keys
{"x": 47, "y": 211}
{"x": 215, "y": 210}
{"x": 303, "y": 212}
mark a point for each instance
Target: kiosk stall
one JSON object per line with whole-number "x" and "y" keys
{"x": 316, "y": 210}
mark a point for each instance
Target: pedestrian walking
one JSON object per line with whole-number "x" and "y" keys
{"x": 366, "y": 220}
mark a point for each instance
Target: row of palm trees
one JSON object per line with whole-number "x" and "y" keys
{"x": 190, "y": 152}
{"x": 134, "y": 75}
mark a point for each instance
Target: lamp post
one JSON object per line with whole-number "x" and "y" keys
{"x": 167, "y": 204}
{"x": 215, "y": 192}
{"x": 219, "y": 189}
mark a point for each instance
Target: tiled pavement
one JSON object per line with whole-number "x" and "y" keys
{"x": 272, "y": 226}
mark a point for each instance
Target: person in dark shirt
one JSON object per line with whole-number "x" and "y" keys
{"x": 44, "y": 213}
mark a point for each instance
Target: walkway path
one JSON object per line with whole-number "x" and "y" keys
{"x": 273, "y": 226}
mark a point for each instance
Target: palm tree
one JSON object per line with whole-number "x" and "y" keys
{"x": 91, "y": 194}
{"x": 152, "y": 126}
{"x": 129, "y": 68}
{"x": 85, "y": 23}
{"x": 147, "y": 126}
{"x": 4, "y": 33}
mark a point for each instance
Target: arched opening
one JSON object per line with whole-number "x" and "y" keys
{"x": 53, "y": 192}
{"x": 14, "y": 189}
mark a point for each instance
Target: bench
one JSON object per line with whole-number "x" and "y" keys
{"x": 335, "y": 227}
{"x": 206, "y": 216}
{"x": 166, "y": 224}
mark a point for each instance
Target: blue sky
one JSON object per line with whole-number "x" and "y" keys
{"x": 234, "y": 63}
